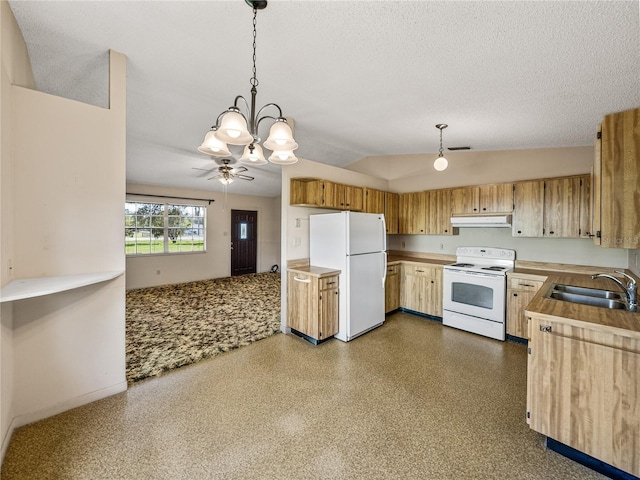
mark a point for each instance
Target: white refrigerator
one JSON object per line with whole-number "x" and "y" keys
{"x": 356, "y": 244}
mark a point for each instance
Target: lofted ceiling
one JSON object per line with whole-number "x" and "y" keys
{"x": 360, "y": 78}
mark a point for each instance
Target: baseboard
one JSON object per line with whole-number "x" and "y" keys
{"x": 90, "y": 397}
{"x": 7, "y": 438}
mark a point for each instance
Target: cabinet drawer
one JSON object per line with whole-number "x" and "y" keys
{"x": 422, "y": 271}
{"x": 328, "y": 282}
{"x": 393, "y": 269}
{"x": 524, "y": 284}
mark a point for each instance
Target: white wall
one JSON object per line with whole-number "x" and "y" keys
{"x": 579, "y": 251}
{"x": 16, "y": 70}
{"x": 142, "y": 271}
{"x": 69, "y": 185}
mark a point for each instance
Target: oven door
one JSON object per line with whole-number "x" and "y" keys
{"x": 477, "y": 294}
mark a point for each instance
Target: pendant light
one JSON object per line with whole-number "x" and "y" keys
{"x": 441, "y": 163}
{"x": 236, "y": 126}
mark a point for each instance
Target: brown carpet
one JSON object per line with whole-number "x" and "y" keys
{"x": 176, "y": 325}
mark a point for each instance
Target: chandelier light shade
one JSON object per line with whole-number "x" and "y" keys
{"x": 238, "y": 125}
{"x": 253, "y": 155}
{"x": 212, "y": 146}
{"x": 441, "y": 163}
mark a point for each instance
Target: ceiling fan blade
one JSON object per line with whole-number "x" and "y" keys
{"x": 244, "y": 177}
{"x": 215, "y": 176}
{"x": 203, "y": 169}
{"x": 239, "y": 169}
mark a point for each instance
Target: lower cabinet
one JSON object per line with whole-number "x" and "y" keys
{"x": 312, "y": 301}
{"x": 392, "y": 288}
{"x": 520, "y": 291}
{"x": 421, "y": 289}
{"x": 583, "y": 389}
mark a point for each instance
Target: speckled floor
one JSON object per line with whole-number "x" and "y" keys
{"x": 409, "y": 400}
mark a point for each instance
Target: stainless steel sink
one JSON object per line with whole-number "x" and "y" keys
{"x": 591, "y": 292}
{"x": 602, "y": 302}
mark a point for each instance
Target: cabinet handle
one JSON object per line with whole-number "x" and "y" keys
{"x": 519, "y": 231}
{"x": 419, "y": 271}
{"x": 475, "y": 209}
{"x": 545, "y": 328}
{"x": 484, "y": 209}
{"x": 331, "y": 283}
{"x": 515, "y": 294}
{"x": 525, "y": 285}
{"x": 550, "y": 232}
{"x": 302, "y": 280}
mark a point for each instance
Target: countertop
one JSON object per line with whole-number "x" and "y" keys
{"x": 314, "y": 271}
{"x": 391, "y": 259}
{"x": 598, "y": 318}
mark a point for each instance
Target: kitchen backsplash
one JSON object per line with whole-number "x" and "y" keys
{"x": 555, "y": 250}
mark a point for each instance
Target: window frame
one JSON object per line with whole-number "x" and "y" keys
{"x": 166, "y": 237}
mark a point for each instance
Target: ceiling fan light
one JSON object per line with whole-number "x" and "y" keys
{"x": 253, "y": 158}
{"x": 440, "y": 164}
{"x": 226, "y": 180}
{"x": 212, "y": 146}
{"x": 283, "y": 157}
{"x": 233, "y": 129}
{"x": 280, "y": 137}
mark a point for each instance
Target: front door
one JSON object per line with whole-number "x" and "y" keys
{"x": 244, "y": 241}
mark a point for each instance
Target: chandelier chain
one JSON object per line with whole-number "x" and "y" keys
{"x": 441, "y": 142}
{"x": 254, "y": 79}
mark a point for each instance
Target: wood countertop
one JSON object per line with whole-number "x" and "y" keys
{"x": 391, "y": 259}
{"x": 315, "y": 271}
{"x": 603, "y": 319}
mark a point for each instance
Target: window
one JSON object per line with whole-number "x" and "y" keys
{"x": 163, "y": 228}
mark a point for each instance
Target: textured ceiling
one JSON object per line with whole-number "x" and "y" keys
{"x": 359, "y": 78}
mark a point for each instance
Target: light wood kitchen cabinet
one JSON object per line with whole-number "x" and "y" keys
{"x": 438, "y": 212}
{"x": 620, "y": 180}
{"x": 583, "y": 389}
{"x": 343, "y": 197}
{"x": 413, "y": 213}
{"x": 421, "y": 289}
{"x": 373, "y": 200}
{"x": 528, "y": 214}
{"x": 520, "y": 291}
{"x": 482, "y": 200}
{"x": 308, "y": 192}
{"x": 562, "y": 207}
{"x": 391, "y": 212}
{"x": 392, "y": 288}
{"x": 584, "y": 230}
{"x": 312, "y": 301}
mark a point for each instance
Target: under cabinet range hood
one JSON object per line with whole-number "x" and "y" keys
{"x": 482, "y": 221}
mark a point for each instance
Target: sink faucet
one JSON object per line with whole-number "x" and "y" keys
{"x": 630, "y": 289}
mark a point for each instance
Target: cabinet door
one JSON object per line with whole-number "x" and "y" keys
{"x": 562, "y": 207}
{"x": 596, "y": 178}
{"x": 413, "y": 216}
{"x": 583, "y": 391}
{"x": 305, "y": 191}
{"x": 392, "y": 289}
{"x": 373, "y": 200}
{"x": 432, "y": 304}
{"x": 333, "y": 195}
{"x": 465, "y": 201}
{"x": 496, "y": 198}
{"x": 620, "y": 181}
{"x": 585, "y": 207}
{"x": 391, "y": 205}
{"x": 353, "y": 198}
{"x": 517, "y": 301}
{"x": 411, "y": 288}
{"x": 299, "y": 302}
{"x": 528, "y": 216}
{"x": 328, "y": 308}
{"x": 439, "y": 212}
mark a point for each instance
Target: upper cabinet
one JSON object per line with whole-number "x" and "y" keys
{"x": 307, "y": 192}
{"x": 391, "y": 212}
{"x": 556, "y": 207}
{"x": 439, "y": 212}
{"x": 343, "y": 197}
{"x": 528, "y": 214}
{"x": 413, "y": 213}
{"x": 373, "y": 200}
{"x": 483, "y": 200}
{"x": 619, "y": 172}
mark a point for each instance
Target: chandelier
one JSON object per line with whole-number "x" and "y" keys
{"x": 239, "y": 126}
{"x": 441, "y": 163}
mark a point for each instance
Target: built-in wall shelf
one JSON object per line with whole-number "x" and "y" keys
{"x": 37, "y": 287}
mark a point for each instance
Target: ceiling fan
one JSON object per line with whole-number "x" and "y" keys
{"x": 227, "y": 174}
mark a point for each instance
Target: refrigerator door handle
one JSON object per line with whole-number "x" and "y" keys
{"x": 384, "y": 269}
{"x": 384, "y": 237}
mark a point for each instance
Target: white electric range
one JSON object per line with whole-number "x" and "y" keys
{"x": 474, "y": 290}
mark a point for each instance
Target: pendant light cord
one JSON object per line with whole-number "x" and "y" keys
{"x": 441, "y": 143}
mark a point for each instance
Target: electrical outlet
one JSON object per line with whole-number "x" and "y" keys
{"x": 403, "y": 244}
{"x": 297, "y": 223}
{"x": 157, "y": 272}
{"x": 442, "y": 246}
